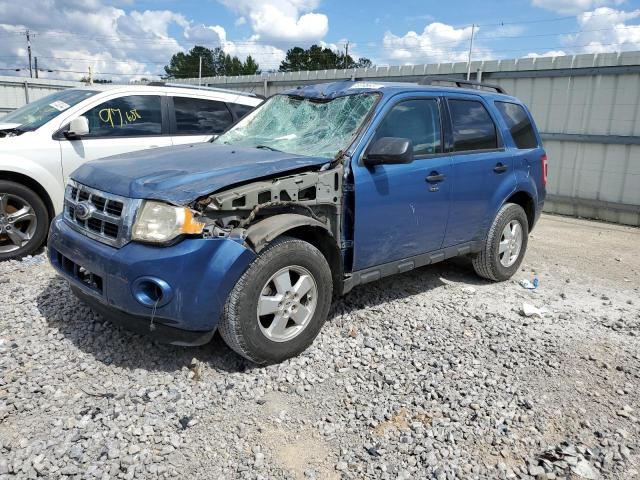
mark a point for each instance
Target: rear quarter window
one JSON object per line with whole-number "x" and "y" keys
{"x": 519, "y": 124}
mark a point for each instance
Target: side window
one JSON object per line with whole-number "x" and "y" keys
{"x": 473, "y": 128}
{"x": 418, "y": 120}
{"x": 131, "y": 116}
{"x": 197, "y": 116}
{"x": 519, "y": 124}
{"x": 241, "y": 110}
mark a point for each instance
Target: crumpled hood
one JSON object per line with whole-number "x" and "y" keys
{"x": 181, "y": 174}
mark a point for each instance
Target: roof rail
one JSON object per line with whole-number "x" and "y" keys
{"x": 200, "y": 87}
{"x": 431, "y": 80}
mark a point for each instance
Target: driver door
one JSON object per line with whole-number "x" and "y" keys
{"x": 119, "y": 125}
{"x": 402, "y": 210}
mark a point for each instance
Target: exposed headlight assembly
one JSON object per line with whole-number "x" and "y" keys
{"x": 160, "y": 223}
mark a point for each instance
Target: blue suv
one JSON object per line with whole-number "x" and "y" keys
{"x": 320, "y": 189}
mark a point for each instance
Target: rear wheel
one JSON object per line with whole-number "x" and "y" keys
{"x": 505, "y": 245}
{"x": 278, "y": 306}
{"x": 24, "y": 221}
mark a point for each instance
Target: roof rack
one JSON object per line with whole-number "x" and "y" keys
{"x": 200, "y": 87}
{"x": 431, "y": 80}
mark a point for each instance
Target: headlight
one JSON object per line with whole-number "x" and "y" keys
{"x": 160, "y": 223}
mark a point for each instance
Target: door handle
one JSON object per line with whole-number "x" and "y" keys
{"x": 435, "y": 177}
{"x": 500, "y": 168}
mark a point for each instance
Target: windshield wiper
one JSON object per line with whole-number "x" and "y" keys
{"x": 267, "y": 147}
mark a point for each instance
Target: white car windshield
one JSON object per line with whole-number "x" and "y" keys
{"x": 302, "y": 126}
{"x": 39, "y": 112}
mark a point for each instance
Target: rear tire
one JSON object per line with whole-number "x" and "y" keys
{"x": 24, "y": 221}
{"x": 279, "y": 305}
{"x": 505, "y": 245}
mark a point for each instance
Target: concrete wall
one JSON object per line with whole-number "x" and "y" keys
{"x": 586, "y": 106}
{"x": 18, "y": 91}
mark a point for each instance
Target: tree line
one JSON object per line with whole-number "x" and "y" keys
{"x": 215, "y": 62}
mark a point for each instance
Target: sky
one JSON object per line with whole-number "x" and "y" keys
{"x": 130, "y": 39}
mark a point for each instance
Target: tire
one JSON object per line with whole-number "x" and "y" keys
{"x": 490, "y": 262}
{"x": 257, "y": 337}
{"x": 24, "y": 236}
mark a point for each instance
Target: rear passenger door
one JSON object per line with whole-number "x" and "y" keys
{"x": 482, "y": 169}
{"x": 198, "y": 119}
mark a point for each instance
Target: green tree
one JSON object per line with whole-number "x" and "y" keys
{"x": 319, "y": 58}
{"x": 214, "y": 62}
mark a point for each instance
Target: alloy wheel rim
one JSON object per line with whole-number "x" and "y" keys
{"x": 510, "y": 243}
{"x": 287, "y": 303}
{"x": 18, "y": 222}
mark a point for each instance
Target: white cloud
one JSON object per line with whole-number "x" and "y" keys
{"x": 115, "y": 44}
{"x": 282, "y": 20}
{"x": 211, "y": 36}
{"x": 573, "y": 6}
{"x": 550, "y": 53}
{"x": 605, "y": 30}
{"x": 69, "y": 36}
{"x": 438, "y": 42}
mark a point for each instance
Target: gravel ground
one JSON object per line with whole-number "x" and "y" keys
{"x": 430, "y": 374}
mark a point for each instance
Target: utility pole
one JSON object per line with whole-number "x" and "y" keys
{"x": 90, "y": 75}
{"x": 346, "y": 55}
{"x": 29, "y": 52}
{"x": 35, "y": 63}
{"x": 200, "y": 72}
{"x": 473, "y": 31}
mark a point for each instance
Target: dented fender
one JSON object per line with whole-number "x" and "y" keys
{"x": 261, "y": 233}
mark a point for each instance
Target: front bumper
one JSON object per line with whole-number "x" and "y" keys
{"x": 198, "y": 274}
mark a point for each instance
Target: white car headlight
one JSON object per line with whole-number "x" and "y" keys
{"x": 159, "y": 222}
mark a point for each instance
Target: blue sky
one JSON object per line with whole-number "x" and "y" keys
{"x": 127, "y": 39}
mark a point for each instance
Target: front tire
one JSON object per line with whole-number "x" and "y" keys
{"x": 279, "y": 305}
{"x": 505, "y": 245}
{"x": 24, "y": 221}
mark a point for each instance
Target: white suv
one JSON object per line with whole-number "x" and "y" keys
{"x": 44, "y": 141}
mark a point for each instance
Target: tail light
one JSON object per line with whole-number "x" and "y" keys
{"x": 545, "y": 167}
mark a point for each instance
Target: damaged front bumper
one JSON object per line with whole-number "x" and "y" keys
{"x": 174, "y": 294}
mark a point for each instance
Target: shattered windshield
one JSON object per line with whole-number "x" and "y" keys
{"x": 302, "y": 126}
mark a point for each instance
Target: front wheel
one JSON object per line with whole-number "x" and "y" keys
{"x": 505, "y": 245}
{"x": 279, "y": 305}
{"x": 24, "y": 221}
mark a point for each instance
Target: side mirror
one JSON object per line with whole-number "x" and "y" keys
{"x": 78, "y": 127}
{"x": 389, "y": 150}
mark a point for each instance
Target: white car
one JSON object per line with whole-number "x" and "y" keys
{"x": 44, "y": 141}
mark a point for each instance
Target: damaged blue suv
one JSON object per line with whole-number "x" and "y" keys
{"x": 320, "y": 189}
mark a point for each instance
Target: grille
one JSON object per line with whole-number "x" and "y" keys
{"x": 104, "y": 217}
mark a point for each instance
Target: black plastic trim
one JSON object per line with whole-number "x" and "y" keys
{"x": 404, "y": 265}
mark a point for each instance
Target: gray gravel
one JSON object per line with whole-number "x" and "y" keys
{"x": 431, "y": 374}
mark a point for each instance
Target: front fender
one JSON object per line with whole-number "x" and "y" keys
{"x": 47, "y": 174}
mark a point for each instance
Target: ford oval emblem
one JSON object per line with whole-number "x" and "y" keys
{"x": 84, "y": 210}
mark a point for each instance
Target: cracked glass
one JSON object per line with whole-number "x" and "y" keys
{"x": 302, "y": 126}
